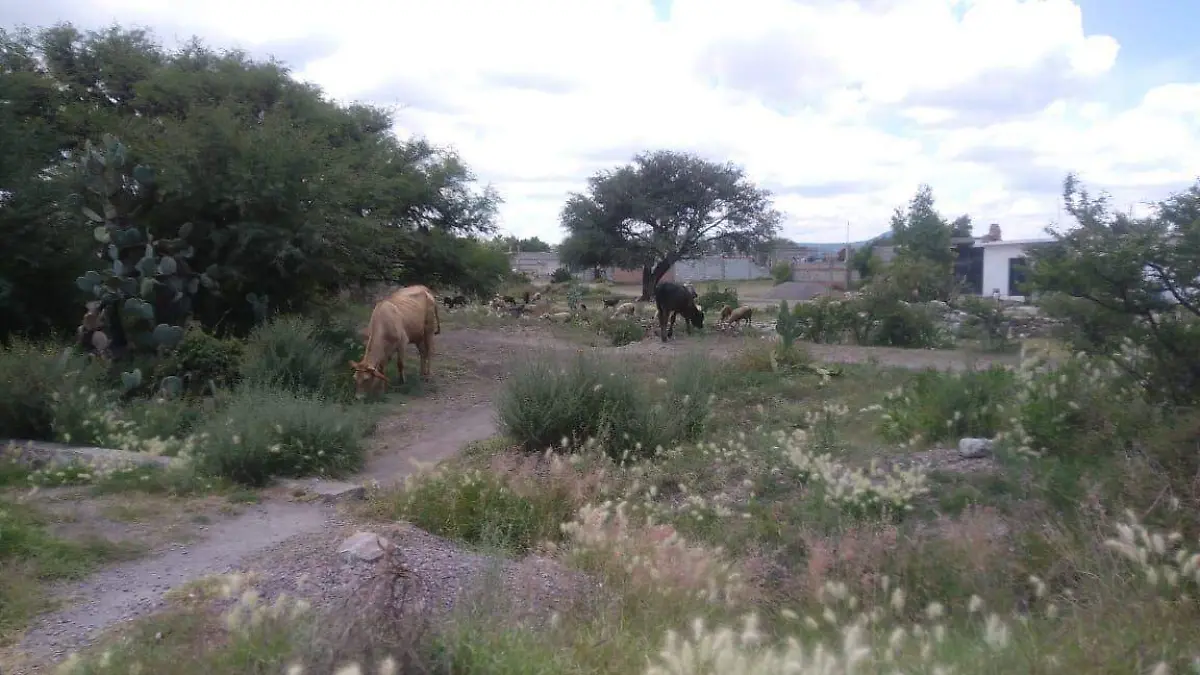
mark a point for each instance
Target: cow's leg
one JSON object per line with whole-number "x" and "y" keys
{"x": 400, "y": 363}
{"x": 425, "y": 347}
{"x": 662, "y": 325}
{"x": 671, "y": 328}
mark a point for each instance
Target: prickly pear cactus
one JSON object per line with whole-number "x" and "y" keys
{"x": 143, "y": 296}
{"x": 574, "y": 295}
{"x": 260, "y": 305}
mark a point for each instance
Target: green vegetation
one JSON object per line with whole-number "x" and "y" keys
{"x": 763, "y": 513}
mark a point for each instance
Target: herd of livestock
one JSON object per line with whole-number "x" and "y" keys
{"x": 410, "y": 316}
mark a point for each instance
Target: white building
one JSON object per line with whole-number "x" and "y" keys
{"x": 1003, "y": 267}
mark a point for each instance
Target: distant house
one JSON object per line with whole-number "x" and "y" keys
{"x": 1003, "y": 267}
{"x": 986, "y": 266}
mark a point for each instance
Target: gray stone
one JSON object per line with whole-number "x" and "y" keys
{"x": 364, "y": 546}
{"x": 974, "y": 448}
{"x": 44, "y": 455}
{"x": 328, "y": 491}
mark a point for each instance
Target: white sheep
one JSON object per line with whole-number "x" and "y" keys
{"x": 742, "y": 313}
{"x": 627, "y": 308}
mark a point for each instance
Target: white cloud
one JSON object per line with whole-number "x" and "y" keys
{"x": 843, "y": 109}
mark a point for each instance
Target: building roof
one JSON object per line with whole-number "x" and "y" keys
{"x": 1015, "y": 242}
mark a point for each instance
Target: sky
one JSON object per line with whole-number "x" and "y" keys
{"x": 841, "y": 108}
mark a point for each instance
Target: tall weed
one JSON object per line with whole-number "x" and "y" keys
{"x": 479, "y": 508}
{"x": 545, "y": 403}
{"x": 938, "y": 406}
{"x": 33, "y": 379}
{"x": 287, "y": 353}
{"x": 264, "y": 433}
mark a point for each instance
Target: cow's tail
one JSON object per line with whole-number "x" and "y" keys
{"x": 437, "y": 318}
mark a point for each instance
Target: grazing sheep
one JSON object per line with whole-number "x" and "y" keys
{"x": 452, "y": 302}
{"x": 672, "y": 299}
{"x": 582, "y": 307}
{"x": 408, "y": 315}
{"x": 726, "y": 310}
{"x": 626, "y": 308}
{"x": 741, "y": 314}
{"x": 611, "y": 302}
{"x": 537, "y": 296}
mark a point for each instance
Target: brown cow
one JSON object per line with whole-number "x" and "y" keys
{"x": 408, "y": 315}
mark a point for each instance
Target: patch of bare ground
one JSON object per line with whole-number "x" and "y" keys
{"x": 431, "y": 575}
{"x": 725, "y": 343}
{"x": 145, "y": 522}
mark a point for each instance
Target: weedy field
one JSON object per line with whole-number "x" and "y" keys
{"x": 784, "y": 508}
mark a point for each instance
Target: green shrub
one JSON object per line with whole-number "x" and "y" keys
{"x": 287, "y": 353}
{"x": 344, "y": 337}
{"x": 1078, "y": 407}
{"x": 480, "y": 508}
{"x": 545, "y": 403}
{"x": 873, "y": 318}
{"x": 34, "y": 379}
{"x": 621, "y": 331}
{"x": 560, "y": 275}
{"x": 203, "y": 361}
{"x": 901, "y": 324}
{"x": 939, "y": 406}
{"x": 822, "y": 320}
{"x": 781, "y": 272}
{"x": 265, "y": 432}
{"x": 714, "y": 296}
{"x": 985, "y": 318}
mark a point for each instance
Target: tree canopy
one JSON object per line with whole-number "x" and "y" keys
{"x": 663, "y": 207}
{"x": 529, "y": 245}
{"x": 294, "y": 195}
{"x": 1118, "y": 279}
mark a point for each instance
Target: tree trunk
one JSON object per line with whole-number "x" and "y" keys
{"x": 651, "y": 276}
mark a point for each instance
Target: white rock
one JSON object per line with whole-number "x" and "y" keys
{"x": 365, "y": 546}
{"x": 974, "y": 448}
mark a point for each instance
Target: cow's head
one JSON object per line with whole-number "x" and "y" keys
{"x": 367, "y": 379}
{"x": 697, "y": 316}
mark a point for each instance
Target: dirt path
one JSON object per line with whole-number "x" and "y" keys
{"x": 425, "y": 430}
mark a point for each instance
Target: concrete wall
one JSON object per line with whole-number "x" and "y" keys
{"x": 620, "y": 276}
{"x": 823, "y": 273}
{"x": 536, "y": 264}
{"x": 719, "y": 268}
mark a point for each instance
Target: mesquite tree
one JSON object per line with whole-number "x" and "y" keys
{"x": 664, "y": 207}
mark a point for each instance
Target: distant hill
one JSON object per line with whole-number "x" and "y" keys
{"x": 834, "y": 248}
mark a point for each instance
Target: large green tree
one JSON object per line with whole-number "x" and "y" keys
{"x": 924, "y": 265}
{"x": 663, "y": 207}
{"x": 292, "y": 194}
{"x": 1121, "y": 281}
{"x": 919, "y": 231}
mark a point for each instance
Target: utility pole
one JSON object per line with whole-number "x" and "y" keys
{"x": 848, "y": 252}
